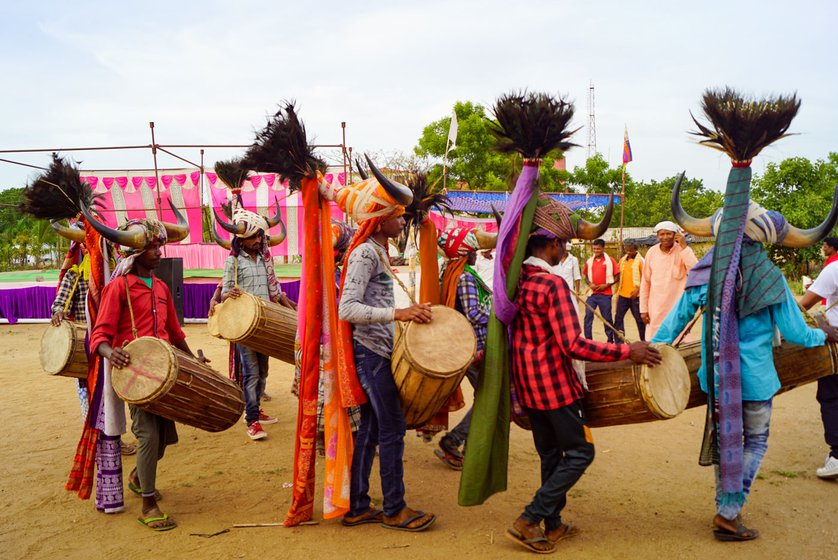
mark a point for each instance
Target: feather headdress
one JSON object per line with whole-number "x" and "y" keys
{"x": 55, "y": 193}
{"x": 532, "y": 124}
{"x": 282, "y": 147}
{"x": 740, "y": 126}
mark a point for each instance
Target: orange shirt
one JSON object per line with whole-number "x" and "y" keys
{"x": 627, "y": 285}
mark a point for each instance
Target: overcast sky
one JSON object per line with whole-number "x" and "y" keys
{"x": 95, "y": 73}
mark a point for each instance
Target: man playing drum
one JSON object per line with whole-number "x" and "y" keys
{"x": 136, "y": 304}
{"x": 545, "y": 337}
{"x": 826, "y": 286}
{"x": 368, "y": 303}
{"x": 464, "y": 290}
{"x": 745, "y": 297}
{"x": 249, "y": 268}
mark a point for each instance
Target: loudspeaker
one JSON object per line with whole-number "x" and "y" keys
{"x": 170, "y": 271}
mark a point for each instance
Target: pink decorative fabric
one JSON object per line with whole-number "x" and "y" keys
{"x": 195, "y": 177}
{"x": 443, "y": 223}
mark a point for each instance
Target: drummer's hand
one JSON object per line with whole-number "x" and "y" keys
{"x": 213, "y": 303}
{"x": 283, "y": 300}
{"x": 418, "y": 313}
{"x": 642, "y": 353}
{"x": 201, "y": 357}
{"x": 645, "y": 318}
{"x": 831, "y": 332}
{"x": 57, "y": 317}
{"x": 119, "y": 357}
{"x": 233, "y": 293}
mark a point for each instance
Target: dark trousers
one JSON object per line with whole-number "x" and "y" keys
{"x": 565, "y": 451}
{"x": 625, "y": 304}
{"x": 153, "y": 434}
{"x": 382, "y": 423}
{"x": 601, "y": 302}
{"x": 828, "y": 397}
{"x": 460, "y": 432}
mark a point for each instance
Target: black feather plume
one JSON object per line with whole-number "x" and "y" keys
{"x": 232, "y": 172}
{"x": 425, "y": 198}
{"x": 741, "y": 127}
{"x": 227, "y": 209}
{"x": 282, "y": 147}
{"x": 532, "y": 124}
{"x": 55, "y": 193}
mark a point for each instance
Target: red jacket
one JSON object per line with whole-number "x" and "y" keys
{"x": 158, "y": 319}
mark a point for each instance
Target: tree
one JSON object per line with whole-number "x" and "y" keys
{"x": 802, "y": 192}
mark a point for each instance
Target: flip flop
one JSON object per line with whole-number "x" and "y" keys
{"x": 139, "y": 491}
{"x": 450, "y": 461}
{"x": 372, "y": 516}
{"x": 403, "y": 526}
{"x": 149, "y": 520}
{"x": 741, "y": 533}
{"x": 517, "y": 537}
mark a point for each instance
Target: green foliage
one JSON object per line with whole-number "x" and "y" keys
{"x": 474, "y": 162}
{"x": 24, "y": 241}
{"x": 802, "y": 191}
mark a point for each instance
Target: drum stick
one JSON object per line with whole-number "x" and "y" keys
{"x": 600, "y": 317}
{"x": 688, "y": 328}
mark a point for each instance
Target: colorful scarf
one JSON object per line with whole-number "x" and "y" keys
{"x": 485, "y": 465}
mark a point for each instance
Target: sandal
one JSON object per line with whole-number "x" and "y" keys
{"x": 451, "y": 461}
{"x": 564, "y": 532}
{"x": 158, "y": 523}
{"x": 741, "y": 533}
{"x": 371, "y": 516}
{"x": 403, "y": 526}
{"x": 516, "y": 536}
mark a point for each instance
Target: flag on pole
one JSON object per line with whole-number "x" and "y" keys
{"x": 452, "y": 133}
{"x": 626, "y": 149}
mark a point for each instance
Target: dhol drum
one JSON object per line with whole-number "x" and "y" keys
{"x": 258, "y": 324}
{"x": 62, "y": 350}
{"x": 628, "y": 393}
{"x": 795, "y": 366}
{"x": 170, "y": 383}
{"x": 429, "y": 362}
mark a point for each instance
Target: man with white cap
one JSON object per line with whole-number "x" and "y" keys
{"x": 664, "y": 275}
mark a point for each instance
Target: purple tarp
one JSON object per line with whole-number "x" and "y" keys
{"x": 34, "y": 302}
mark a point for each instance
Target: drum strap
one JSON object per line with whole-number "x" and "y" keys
{"x": 393, "y": 275}
{"x": 131, "y": 308}
{"x": 72, "y": 291}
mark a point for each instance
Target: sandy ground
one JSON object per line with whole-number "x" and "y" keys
{"x": 643, "y": 497}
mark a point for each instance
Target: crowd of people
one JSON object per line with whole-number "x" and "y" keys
{"x": 527, "y": 318}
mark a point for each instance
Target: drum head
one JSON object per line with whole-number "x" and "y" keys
{"x": 56, "y": 347}
{"x": 666, "y": 387}
{"x": 444, "y": 346}
{"x": 151, "y": 373}
{"x": 236, "y": 317}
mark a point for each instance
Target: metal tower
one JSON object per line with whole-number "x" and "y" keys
{"x": 591, "y": 122}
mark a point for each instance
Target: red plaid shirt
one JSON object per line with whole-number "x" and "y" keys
{"x": 545, "y": 337}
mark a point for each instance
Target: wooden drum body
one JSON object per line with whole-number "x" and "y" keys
{"x": 795, "y": 366}
{"x": 62, "y": 350}
{"x": 258, "y": 324}
{"x": 627, "y": 393}
{"x": 429, "y": 362}
{"x": 170, "y": 383}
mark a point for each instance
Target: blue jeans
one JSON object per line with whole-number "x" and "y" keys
{"x": 756, "y": 417}
{"x": 254, "y": 375}
{"x": 382, "y": 424}
{"x": 460, "y": 432}
{"x": 601, "y": 302}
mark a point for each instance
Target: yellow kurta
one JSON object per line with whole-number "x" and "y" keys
{"x": 662, "y": 283}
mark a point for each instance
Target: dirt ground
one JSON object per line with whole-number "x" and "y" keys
{"x": 644, "y": 496}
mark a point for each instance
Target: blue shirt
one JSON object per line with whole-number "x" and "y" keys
{"x": 756, "y": 335}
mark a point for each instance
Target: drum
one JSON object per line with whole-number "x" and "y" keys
{"x": 429, "y": 361}
{"x": 258, "y": 324}
{"x": 795, "y": 366}
{"x": 627, "y": 393}
{"x": 170, "y": 383}
{"x": 62, "y": 350}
